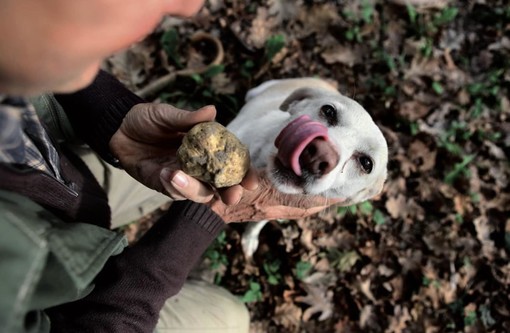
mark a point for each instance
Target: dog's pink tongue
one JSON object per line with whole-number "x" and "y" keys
{"x": 294, "y": 138}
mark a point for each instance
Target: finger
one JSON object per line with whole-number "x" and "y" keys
{"x": 318, "y": 201}
{"x": 308, "y": 202}
{"x": 179, "y": 184}
{"x": 182, "y": 120}
{"x": 231, "y": 195}
{"x": 251, "y": 180}
{"x": 314, "y": 210}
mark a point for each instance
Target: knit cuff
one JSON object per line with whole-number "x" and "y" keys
{"x": 201, "y": 214}
{"x": 96, "y": 112}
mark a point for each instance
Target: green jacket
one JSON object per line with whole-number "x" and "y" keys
{"x": 50, "y": 262}
{"x": 60, "y": 262}
{"x": 39, "y": 252}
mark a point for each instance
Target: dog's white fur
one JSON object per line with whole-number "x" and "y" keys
{"x": 262, "y": 118}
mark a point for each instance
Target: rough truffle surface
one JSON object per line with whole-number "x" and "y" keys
{"x": 211, "y": 153}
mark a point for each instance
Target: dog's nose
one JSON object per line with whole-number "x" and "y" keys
{"x": 319, "y": 157}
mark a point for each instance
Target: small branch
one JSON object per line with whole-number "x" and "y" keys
{"x": 423, "y": 4}
{"x": 156, "y": 86}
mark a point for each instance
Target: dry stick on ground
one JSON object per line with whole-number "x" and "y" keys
{"x": 156, "y": 86}
{"x": 423, "y": 4}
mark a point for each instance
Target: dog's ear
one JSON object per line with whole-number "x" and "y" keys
{"x": 296, "y": 96}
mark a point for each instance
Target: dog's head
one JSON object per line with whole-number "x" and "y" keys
{"x": 330, "y": 146}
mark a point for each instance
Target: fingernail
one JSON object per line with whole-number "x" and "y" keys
{"x": 180, "y": 179}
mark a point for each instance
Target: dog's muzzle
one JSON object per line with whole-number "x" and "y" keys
{"x": 304, "y": 145}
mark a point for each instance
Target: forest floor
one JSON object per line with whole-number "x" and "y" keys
{"x": 431, "y": 253}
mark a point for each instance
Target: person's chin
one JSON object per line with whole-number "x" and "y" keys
{"x": 76, "y": 84}
{"x": 34, "y": 85}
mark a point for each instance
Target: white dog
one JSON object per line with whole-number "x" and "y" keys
{"x": 313, "y": 140}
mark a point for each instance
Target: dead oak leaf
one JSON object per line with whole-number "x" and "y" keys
{"x": 422, "y": 155}
{"x": 423, "y": 67}
{"x": 289, "y": 233}
{"x": 396, "y": 206}
{"x": 427, "y": 187}
{"x": 322, "y": 265}
{"x": 365, "y": 287}
{"x": 413, "y": 110}
{"x": 288, "y": 315}
{"x": 342, "y": 55}
{"x": 284, "y": 10}
{"x": 411, "y": 261}
{"x": 288, "y": 295}
{"x": 221, "y": 84}
{"x": 320, "y": 301}
{"x": 133, "y": 65}
{"x": 342, "y": 239}
{"x": 318, "y": 19}
{"x": 484, "y": 230}
{"x": 259, "y": 326}
{"x": 462, "y": 204}
{"x": 261, "y": 27}
{"x": 307, "y": 238}
{"x": 499, "y": 172}
{"x": 439, "y": 290}
{"x": 395, "y": 36}
{"x": 368, "y": 319}
{"x": 398, "y": 322}
{"x": 397, "y": 287}
{"x": 406, "y": 165}
{"x": 501, "y": 201}
{"x": 395, "y": 186}
{"x": 496, "y": 151}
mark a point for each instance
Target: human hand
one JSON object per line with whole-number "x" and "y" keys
{"x": 146, "y": 145}
{"x": 265, "y": 202}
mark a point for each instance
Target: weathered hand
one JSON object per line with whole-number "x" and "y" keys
{"x": 265, "y": 202}
{"x": 146, "y": 144}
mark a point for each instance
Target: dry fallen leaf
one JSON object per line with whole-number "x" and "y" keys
{"x": 425, "y": 74}
{"x": 397, "y": 206}
{"x": 484, "y": 230}
{"x": 422, "y": 155}
{"x": 318, "y": 19}
{"x": 319, "y": 300}
{"x": 367, "y": 318}
{"x": 132, "y": 66}
{"x": 261, "y": 28}
{"x": 288, "y": 315}
{"x": 398, "y": 323}
{"x": 413, "y": 110}
{"x": 342, "y": 55}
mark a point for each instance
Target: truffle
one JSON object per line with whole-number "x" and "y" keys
{"x": 209, "y": 152}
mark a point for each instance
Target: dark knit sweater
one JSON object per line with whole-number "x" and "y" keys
{"x": 133, "y": 286}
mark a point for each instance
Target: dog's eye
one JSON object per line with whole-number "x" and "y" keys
{"x": 366, "y": 163}
{"x": 329, "y": 112}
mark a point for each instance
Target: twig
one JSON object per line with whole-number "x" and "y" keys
{"x": 156, "y": 86}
